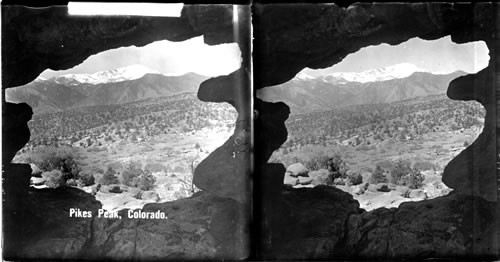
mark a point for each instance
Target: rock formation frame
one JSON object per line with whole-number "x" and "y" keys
{"x": 320, "y": 222}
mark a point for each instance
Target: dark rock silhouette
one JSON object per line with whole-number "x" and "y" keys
{"x": 296, "y": 223}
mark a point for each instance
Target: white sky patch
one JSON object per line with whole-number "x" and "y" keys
{"x": 132, "y": 9}
{"x": 440, "y": 56}
{"x": 169, "y": 58}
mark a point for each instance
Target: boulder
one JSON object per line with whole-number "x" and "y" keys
{"x": 89, "y": 189}
{"x": 305, "y": 180}
{"x": 290, "y": 180}
{"x": 372, "y": 188}
{"x": 358, "y": 190}
{"x": 319, "y": 176}
{"x": 339, "y": 181}
{"x": 104, "y": 189}
{"x": 35, "y": 170}
{"x": 297, "y": 170}
{"x": 38, "y": 181}
{"x": 115, "y": 189}
{"x": 383, "y": 187}
{"x": 417, "y": 193}
{"x": 303, "y": 186}
{"x": 402, "y": 191}
{"x": 436, "y": 189}
{"x": 150, "y": 195}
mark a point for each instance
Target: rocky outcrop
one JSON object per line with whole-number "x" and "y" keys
{"x": 309, "y": 223}
{"x": 50, "y": 38}
{"x": 200, "y": 227}
{"x": 203, "y": 226}
{"x": 15, "y": 128}
{"x": 39, "y": 225}
{"x": 288, "y": 38}
{"x": 441, "y": 227}
{"x": 473, "y": 171}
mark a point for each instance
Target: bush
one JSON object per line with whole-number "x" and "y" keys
{"x": 145, "y": 181}
{"x": 86, "y": 179}
{"x": 401, "y": 168}
{"x": 52, "y": 158}
{"x": 53, "y": 179}
{"x": 413, "y": 180}
{"x": 402, "y": 174}
{"x": 132, "y": 170}
{"x": 133, "y": 175}
{"x": 109, "y": 177}
{"x": 317, "y": 163}
{"x": 378, "y": 176}
{"x": 71, "y": 182}
{"x": 336, "y": 167}
{"x": 355, "y": 178}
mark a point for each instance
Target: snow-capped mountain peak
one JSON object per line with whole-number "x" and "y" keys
{"x": 373, "y": 75}
{"x": 110, "y": 76}
{"x": 303, "y": 76}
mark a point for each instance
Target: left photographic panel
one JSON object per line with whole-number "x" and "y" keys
{"x": 126, "y": 134}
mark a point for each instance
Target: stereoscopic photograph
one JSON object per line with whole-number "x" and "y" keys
{"x": 253, "y": 131}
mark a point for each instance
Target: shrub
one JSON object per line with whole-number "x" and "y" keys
{"x": 413, "y": 180}
{"x": 401, "y": 168}
{"x": 145, "y": 181}
{"x": 336, "y": 167}
{"x": 109, "y": 177}
{"x": 355, "y": 178}
{"x": 317, "y": 163}
{"x": 378, "y": 176}
{"x": 71, "y": 182}
{"x": 85, "y": 178}
{"x": 53, "y": 179}
{"x": 52, "y": 158}
{"x": 132, "y": 170}
{"x": 133, "y": 175}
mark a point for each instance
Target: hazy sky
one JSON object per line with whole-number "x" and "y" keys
{"x": 437, "y": 56}
{"x": 170, "y": 58}
{"x": 177, "y": 58}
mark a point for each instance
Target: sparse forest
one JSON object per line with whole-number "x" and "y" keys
{"x": 131, "y": 122}
{"x": 369, "y": 124}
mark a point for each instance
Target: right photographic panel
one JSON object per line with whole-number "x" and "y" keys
{"x": 375, "y": 130}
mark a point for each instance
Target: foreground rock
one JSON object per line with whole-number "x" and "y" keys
{"x": 441, "y": 227}
{"x": 40, "y": 227}
{"x": 297, "y": 170}
{"x": 309, "y": 222}
{"x": 201, "y": 227}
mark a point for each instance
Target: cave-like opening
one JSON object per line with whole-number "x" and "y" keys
{"x": 126, "y": 125}
{"x": 378, "y": 125}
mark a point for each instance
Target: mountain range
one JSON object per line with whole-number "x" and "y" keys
{"x": 118, "y": 86}
{"x": 305, "y": 93}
